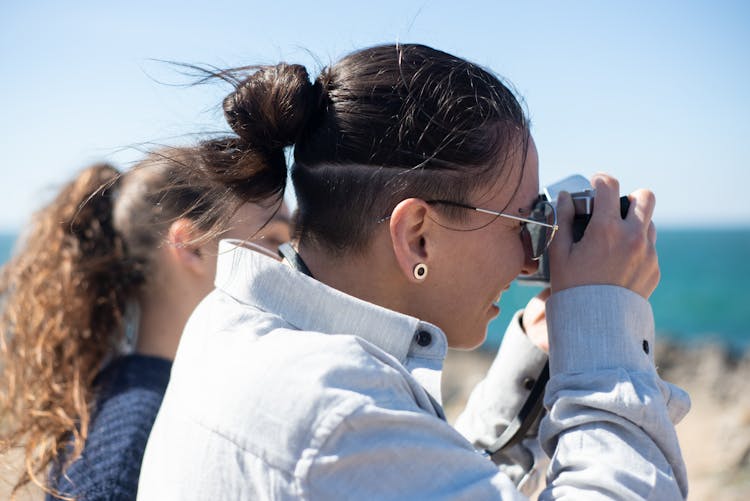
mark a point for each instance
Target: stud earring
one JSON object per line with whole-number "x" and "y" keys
{"x": 420, "y": 271}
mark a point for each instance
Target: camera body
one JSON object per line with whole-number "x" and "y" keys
{"x": 582, "y": 194}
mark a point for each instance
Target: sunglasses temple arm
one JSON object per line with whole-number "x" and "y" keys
{"x": 517, "y": 218}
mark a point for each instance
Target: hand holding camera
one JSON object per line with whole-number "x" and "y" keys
{"x": 612, "y": 245}
{"x": 534, "y": 320}
{"x": 614, "y": 250}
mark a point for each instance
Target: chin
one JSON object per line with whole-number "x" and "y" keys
{"x": 467, "y": 342}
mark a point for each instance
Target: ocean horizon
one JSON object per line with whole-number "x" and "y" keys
{"x": 703, "y": 295}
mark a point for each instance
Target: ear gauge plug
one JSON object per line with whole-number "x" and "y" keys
{"x": 420, "y": 271}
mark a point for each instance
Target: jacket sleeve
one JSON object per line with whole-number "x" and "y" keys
{"x": 610, "y": 413}
{"x": 497, "y": 399}
{"x": 610, "y": 426}
{"x": 376, "y": 452}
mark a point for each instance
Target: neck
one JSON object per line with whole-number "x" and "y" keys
{"x": 175, "y": 287}
{"x": 372, "y": 277}
{"x": 160, "y": 326}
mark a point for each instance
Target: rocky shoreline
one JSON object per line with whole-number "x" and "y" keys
{"x": 714, "y": 436}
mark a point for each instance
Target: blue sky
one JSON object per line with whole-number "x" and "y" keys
{"x": 656, "y": 93}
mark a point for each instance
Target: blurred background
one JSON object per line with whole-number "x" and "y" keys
{"x": 655, "y": 93}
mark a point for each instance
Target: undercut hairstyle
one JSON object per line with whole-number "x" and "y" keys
{"x": 381, "y": 125}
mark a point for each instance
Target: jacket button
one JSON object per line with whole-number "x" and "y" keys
{"x": 423, "y": 338}
{"x": 528, "y": 383}
{"x": 646, "y": 348}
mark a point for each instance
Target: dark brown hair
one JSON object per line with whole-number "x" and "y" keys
{"x": 382, "y": 124}
{"x": 86, "y": 256}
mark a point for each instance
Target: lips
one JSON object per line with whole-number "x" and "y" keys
{"x": 496, "y": 302}
{"x": 500, "y": 294}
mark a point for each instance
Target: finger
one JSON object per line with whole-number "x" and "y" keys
{"x": 564, "y": 236}
{"x": 537, "y": 304}
{"x": 534, "y": 311}
{"x": 607, "y": 199}
{"x": 642, "y": 204}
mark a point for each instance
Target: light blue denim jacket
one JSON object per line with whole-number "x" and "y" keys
{"x": 284, "y": 388}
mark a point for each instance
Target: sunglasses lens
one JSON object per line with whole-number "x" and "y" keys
{"x": 539, "y": 237}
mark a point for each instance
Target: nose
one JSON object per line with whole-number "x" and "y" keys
{"x": 529, "y": 265}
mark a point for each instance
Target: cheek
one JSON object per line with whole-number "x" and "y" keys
{"x": 478, "y": 268}
{"x": 506, "y": 259}
{"x": 481, "y": 274}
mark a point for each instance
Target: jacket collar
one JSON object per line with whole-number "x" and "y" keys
{"x": 255, "y": 278}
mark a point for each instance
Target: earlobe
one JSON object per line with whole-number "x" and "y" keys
{"x": 420, "y": 271}
{"x": 409, "y": 226}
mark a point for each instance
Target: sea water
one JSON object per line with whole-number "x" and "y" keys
{"x": 703, "y": 295}
{"x": 6, "y": 246}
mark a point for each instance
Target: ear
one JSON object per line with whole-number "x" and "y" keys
{"x": 182, "y": 249}
{"x": 410, "y": 228}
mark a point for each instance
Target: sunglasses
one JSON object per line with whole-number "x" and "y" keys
{"x": 537, "y": 230}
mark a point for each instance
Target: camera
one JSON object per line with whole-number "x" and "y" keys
{"x": 582, "y": 194}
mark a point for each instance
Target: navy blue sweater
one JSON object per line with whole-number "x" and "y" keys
{"x": 130, "y": 391}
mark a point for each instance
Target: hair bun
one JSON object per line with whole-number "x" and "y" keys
{"x": 269, "y": 109}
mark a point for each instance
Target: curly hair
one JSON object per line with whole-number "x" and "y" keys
{"x": 64, "y": 293}
{"x": 67, "y": 290}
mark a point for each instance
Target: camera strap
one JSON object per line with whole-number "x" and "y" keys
{"x": 529, "y": 414}
{"x": 288, "y": 252}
